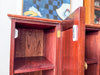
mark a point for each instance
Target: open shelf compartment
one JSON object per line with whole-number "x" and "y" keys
{"x": 91, "y": 50}
{"x": 35, "y": 48}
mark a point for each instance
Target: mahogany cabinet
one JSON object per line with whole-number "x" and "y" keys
{"x": 80, "y": 51}
{"x": 51, "y": 47}
{"x": 34, "y": 45}
{"x": 73, "y": 44}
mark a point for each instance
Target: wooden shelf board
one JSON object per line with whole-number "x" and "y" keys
{"x": 31, "y": 64}
{"x": 91, "y": 61}
{"x": 97, "y": 8}
{"x": 92, "y": 26}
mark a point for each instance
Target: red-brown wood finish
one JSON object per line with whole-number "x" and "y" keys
{"x": 92, "y": 27}
{"x": 67, "y": 53}
{"x": 34, "y": 18}
{"x": 31, "y": 64}
{"x": 59, "y": 51}
{"x": 31, "y": 73}
{"x": 30, "y": 54}
{"x": 73, "y": 57}
{"x": 12, "y": 47}
{"x": 92, "y": 50}
{"x": 50, "y": 48}
{"x": 91, "y": 61}
{"x": 67, "y": 24}
{"x": 29, "y": 43}
{"x": 54, "y": 52}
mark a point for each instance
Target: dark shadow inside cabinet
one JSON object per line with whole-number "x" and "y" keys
{"x": 34, "y": 49}
{"x": 91, "y": 51}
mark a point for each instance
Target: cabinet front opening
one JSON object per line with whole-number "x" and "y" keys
{"x": 35, "y": 50}
{"x": 91, "y": 50}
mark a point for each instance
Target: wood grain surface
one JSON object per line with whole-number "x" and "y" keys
{"x": 36, "y": 38}
{"x": 73, "y": 52}
{"x": 29, "y": 43}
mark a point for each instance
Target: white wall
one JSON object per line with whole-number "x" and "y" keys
{"x": 75, "y": 4}
{"x": 12, "y": 7}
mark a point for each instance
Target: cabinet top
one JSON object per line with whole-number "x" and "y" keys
{"x": 33, "y": 18}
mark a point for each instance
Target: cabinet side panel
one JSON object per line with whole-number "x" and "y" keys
{"x": 50, "y": 44}
{"x": 50, "y": 48}
{"x": 74, "y": 48}
{"x": 12, "y": 46}
{"x": 98, "y": 53}
{"x": 29, "y": 43}
{"x": 68, "y": 58}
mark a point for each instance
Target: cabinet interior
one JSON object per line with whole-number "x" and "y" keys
{"x": 35, "y": 49}
{"x": 91, "y": 50}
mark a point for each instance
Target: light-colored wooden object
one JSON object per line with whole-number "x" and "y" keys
{"x": 89, "y": 7}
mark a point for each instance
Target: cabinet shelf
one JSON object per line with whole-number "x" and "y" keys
{"x": 31, "y": 64}
{"x": 97, "y": 8}
{"x": 92, "y": 27}
{"x": 91, "y": 61}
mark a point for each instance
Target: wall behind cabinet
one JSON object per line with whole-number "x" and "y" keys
{"x": 13, "y": 7}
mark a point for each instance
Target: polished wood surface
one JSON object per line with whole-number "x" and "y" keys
{"x": 73, "y": 58}
{"x": 89, "y": 7}
{"x": 12, "y": 47}
{"x": 92, "y": 70}
{"x": 46, "y": 47}
{"x": 30, "y": 64}
{"x": 50, "y": 44}
{"x": 58, "y": 51}
{"x": 34, "y": 24}
{"x": 31, "y": 73}
{"x": 68, "y": 58}
{"x": 67, "y": 24}
{"x": 50, "y": 48}
{"x": 91, "y": 45}
{"x": 33, "y": 18}
{"x": 92, "y": 51}
{"x": 92, "y": 26}
{"x": 91, "y": 61}
{"x": 36, "y": 37}
{"x": 29, "y": 43}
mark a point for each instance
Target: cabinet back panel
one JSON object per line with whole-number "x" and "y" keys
{"x": 29, "y": 43}
{"x": 48, "y": 72}
{"x": 92, "y": 70}
{"x": 91, "y": 45}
